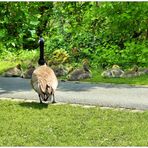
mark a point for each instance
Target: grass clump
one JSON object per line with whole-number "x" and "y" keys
{"x": 33, "y": 124}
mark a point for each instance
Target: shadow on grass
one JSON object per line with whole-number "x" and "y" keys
{"x": 34, "y": 105}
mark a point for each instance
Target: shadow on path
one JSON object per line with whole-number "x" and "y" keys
{"x": 11, "y": 84}
{"x": 86, "y": 86}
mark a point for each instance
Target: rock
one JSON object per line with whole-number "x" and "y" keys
{"x": 13, "y": 72}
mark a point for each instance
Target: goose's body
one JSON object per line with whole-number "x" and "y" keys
{"x": 44, "y": 80}
{"x": 114, "y": 72}
{"x": 134, "y": 72}
{"x": 79, "y": 74}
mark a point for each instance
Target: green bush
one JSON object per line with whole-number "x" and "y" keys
{"x": 59, "y": 56}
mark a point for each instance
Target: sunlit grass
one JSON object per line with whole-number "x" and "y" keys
{"x": 23, "y": 57}
{"x": 34, "y": 124}
{"x": 4, "y": 65}
{"x": 97, "y": 78}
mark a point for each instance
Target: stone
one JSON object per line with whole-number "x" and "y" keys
{"x": 13, "y": 72}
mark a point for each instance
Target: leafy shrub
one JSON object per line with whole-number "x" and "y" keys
{"x": 105, "y": 33}
{"x": 106, "y": 56}
{"x": 135, "y": 53}
{"x": 59, "y": 56}
{"x": 27, "y": 54}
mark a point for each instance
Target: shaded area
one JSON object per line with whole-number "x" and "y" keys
{"x": 86, "y": 86}
{"x": 9, "y": 84}
{"x": 34, "y": 105}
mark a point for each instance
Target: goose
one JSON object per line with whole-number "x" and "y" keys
{"x": 132, "y": 73}
{"x": 79, "y": 74}
{"x": 114, "y": 72}
{"x": 44, "y": 80}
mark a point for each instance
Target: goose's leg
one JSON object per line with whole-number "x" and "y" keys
{"x": 53, "y": 100}
{"x": 40, "y": 98}
{"x": 46, "y": 98}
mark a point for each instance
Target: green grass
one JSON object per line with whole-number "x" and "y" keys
{"x": 140, "y": 80}
{"x": 4, "y": 65}
{"x": 34, "y": 124}
{"x": 11, "y": 59}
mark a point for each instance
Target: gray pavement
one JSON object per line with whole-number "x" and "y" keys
{"x": 108, "y": 95}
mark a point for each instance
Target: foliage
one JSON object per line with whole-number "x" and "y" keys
{"x": 59, "y": 56}
{"x": 20, "y": 55}
{"x": 105, "y": 32}
{"x": 34, "y": 124}
{"x": 6, "y": 65}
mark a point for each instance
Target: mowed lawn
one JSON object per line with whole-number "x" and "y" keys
{"x": 34, "y": 124}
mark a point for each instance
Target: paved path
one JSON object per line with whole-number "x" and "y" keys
{"x": 135, "y": 97}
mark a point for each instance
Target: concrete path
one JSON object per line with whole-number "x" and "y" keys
{"x": 109, "y": 95}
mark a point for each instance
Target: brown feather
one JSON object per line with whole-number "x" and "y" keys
{"x": 44, "y": 81}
